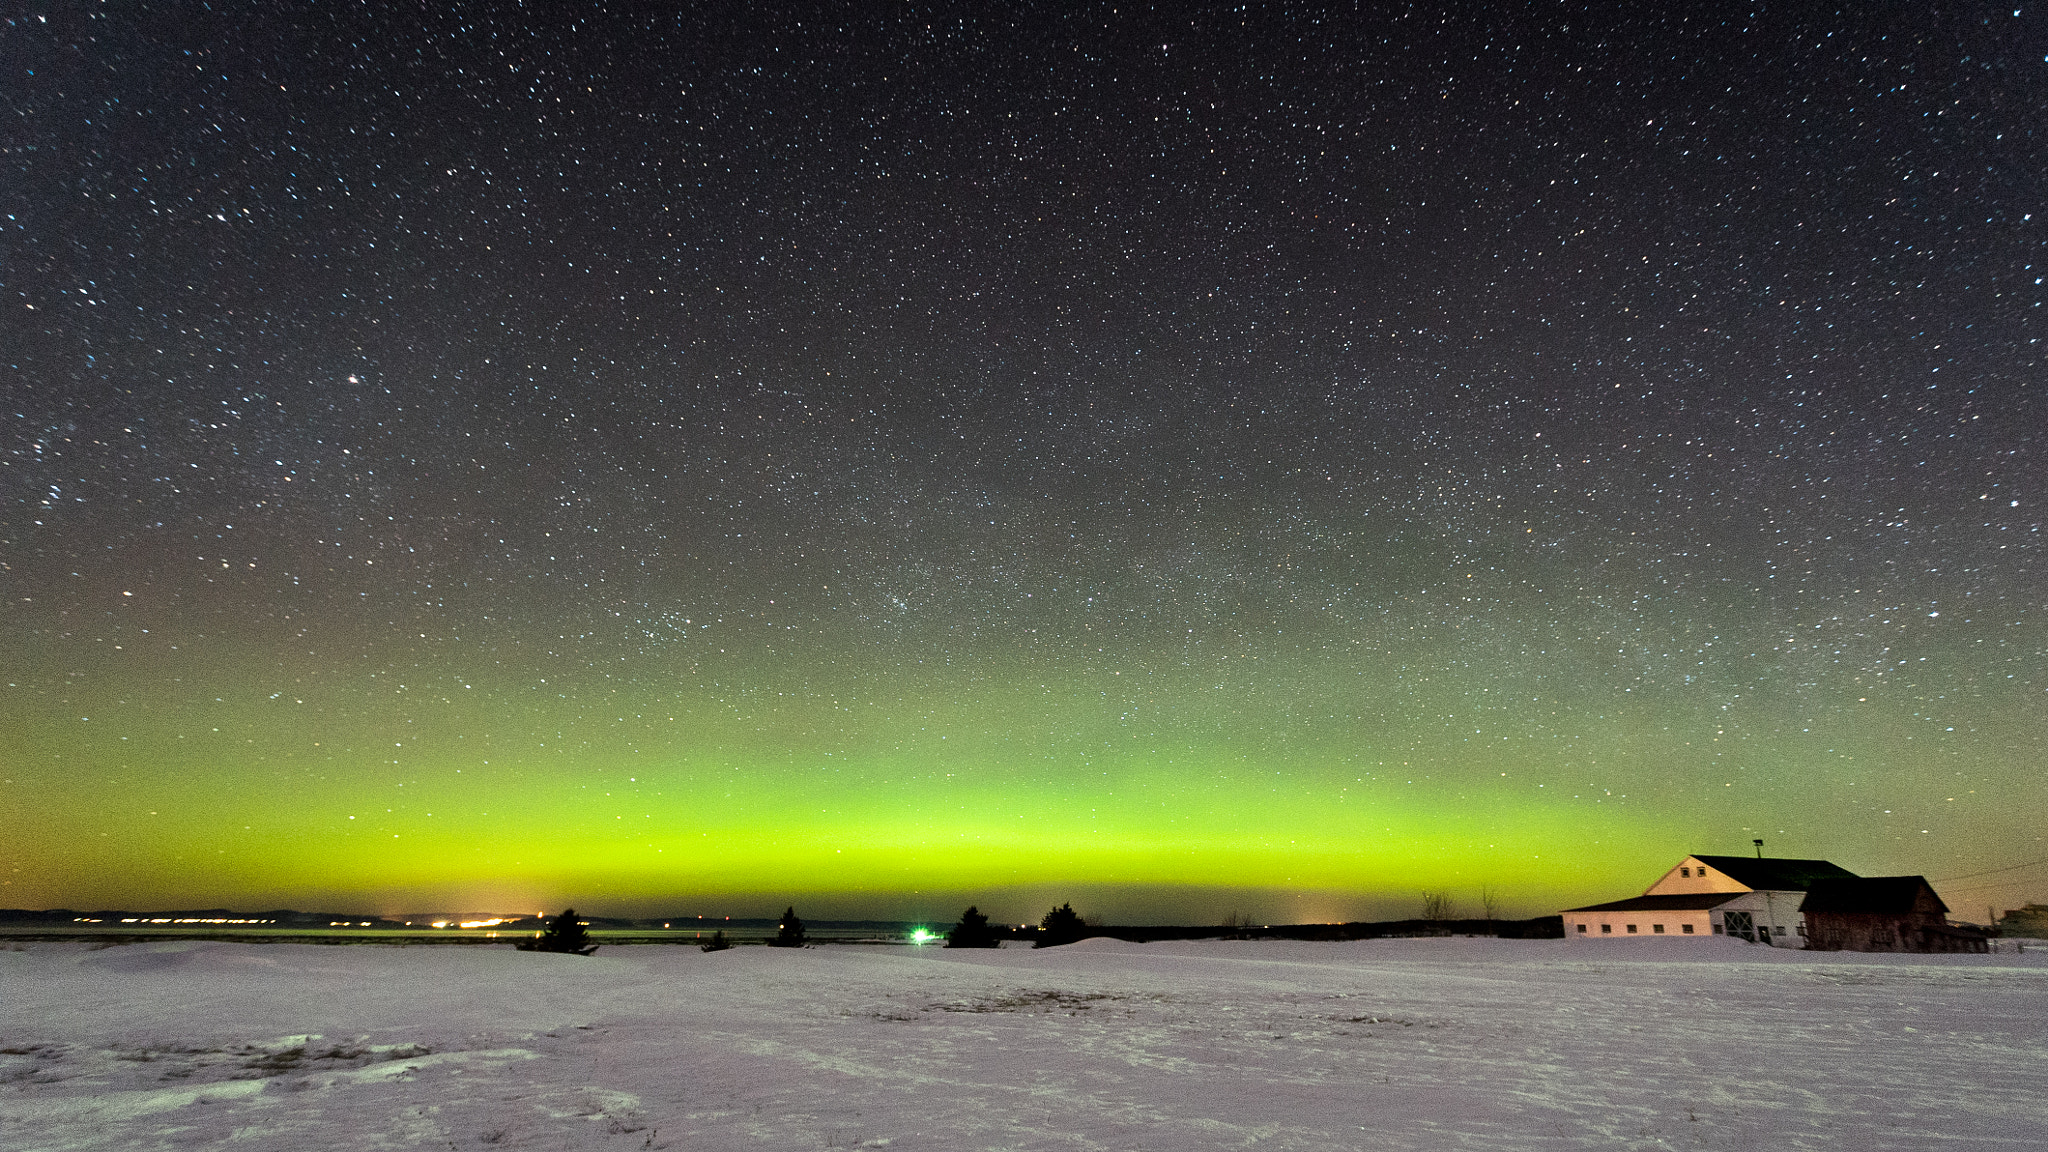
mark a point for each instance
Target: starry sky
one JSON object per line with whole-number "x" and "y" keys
{"x": 1188, "y": 459}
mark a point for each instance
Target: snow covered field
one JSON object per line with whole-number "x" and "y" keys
{"x": 1428, "y": 1044}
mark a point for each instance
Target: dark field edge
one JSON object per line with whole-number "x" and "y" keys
{"x": 742, "y": 933}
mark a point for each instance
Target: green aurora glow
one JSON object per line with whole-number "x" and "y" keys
{"x": 1215, "y": 762}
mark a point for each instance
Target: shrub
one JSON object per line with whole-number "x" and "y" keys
{"x": 972, "y": 931}
{"x": 565, "y": 933}
{"x": 790, "y": 933}
{"x": 717, "y": 943}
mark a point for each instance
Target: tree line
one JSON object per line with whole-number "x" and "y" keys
{"x": 1062, "y": 925}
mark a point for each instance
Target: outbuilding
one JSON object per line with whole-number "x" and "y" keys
{"x": 1883, "y": 914}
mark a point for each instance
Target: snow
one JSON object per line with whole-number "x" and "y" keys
{"x": 1408, "y": 1044}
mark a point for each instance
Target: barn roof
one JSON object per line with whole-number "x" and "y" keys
{"x": 1775, "y": 874}
{"x": 1681, "y": 902}
{"x": 1869, "y": 895}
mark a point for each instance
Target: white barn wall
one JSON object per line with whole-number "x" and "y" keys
{"x": 1778, "y": 911}
{"x": 1690, "y": 876}
{"x": 1617, "y": 925}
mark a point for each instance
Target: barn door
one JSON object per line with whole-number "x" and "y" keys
{"x": 1741, "y": 924}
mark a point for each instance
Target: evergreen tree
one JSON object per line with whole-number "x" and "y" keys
{"x": 564, "y": 933}
{"x": 972, "y": 931}
{"x": 1062, "y": 925}
{"x": 790, "y": 934}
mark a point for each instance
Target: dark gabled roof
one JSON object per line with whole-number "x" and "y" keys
{"x": 1682, "y": 902}
{"x": 1870, "y": 895}
{"x": 1776, "y": 875}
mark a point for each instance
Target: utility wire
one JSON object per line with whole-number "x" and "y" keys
{"x": 1974, "y": 888}
{"x": 1994, "y": 871}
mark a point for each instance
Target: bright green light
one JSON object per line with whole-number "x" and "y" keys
{"x": 922, "y": 936}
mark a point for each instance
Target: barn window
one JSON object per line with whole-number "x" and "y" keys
{"x": 1657, "y": 928}
{"x": 1582, "y": 928}
{"x": 1631, "y": 929}
{"x": 1685, "y": 928}
{"x": 1606, "y": 929}
{"x": 1685, "y": 871}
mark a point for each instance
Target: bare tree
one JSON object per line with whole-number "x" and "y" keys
{"x": 1490, "y": 901}
{"x": 1437, "y": 907}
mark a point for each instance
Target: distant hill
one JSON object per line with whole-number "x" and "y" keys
{"x": 512, "y": 922}
{"x": 196, "y": 917}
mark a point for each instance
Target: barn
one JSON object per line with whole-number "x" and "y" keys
{"x": 1702, "y": 895}
{"x": 1883, "y": 914}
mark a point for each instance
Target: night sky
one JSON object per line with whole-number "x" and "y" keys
{"x": 1183, "y": 460}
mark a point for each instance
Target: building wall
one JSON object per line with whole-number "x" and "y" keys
{"x": 1888, "y": 932}
{"x": 2031, "y": 920}
{"x": 1778, "y": 911}
{"x": 1860, "y": 932}
{"x": 1773, "y": 917}
{"x": 1691, "y": 876}
{"x": 1637, "y": 925}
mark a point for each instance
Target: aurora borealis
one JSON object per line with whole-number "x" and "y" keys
{"x": 1181, "y": 460}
